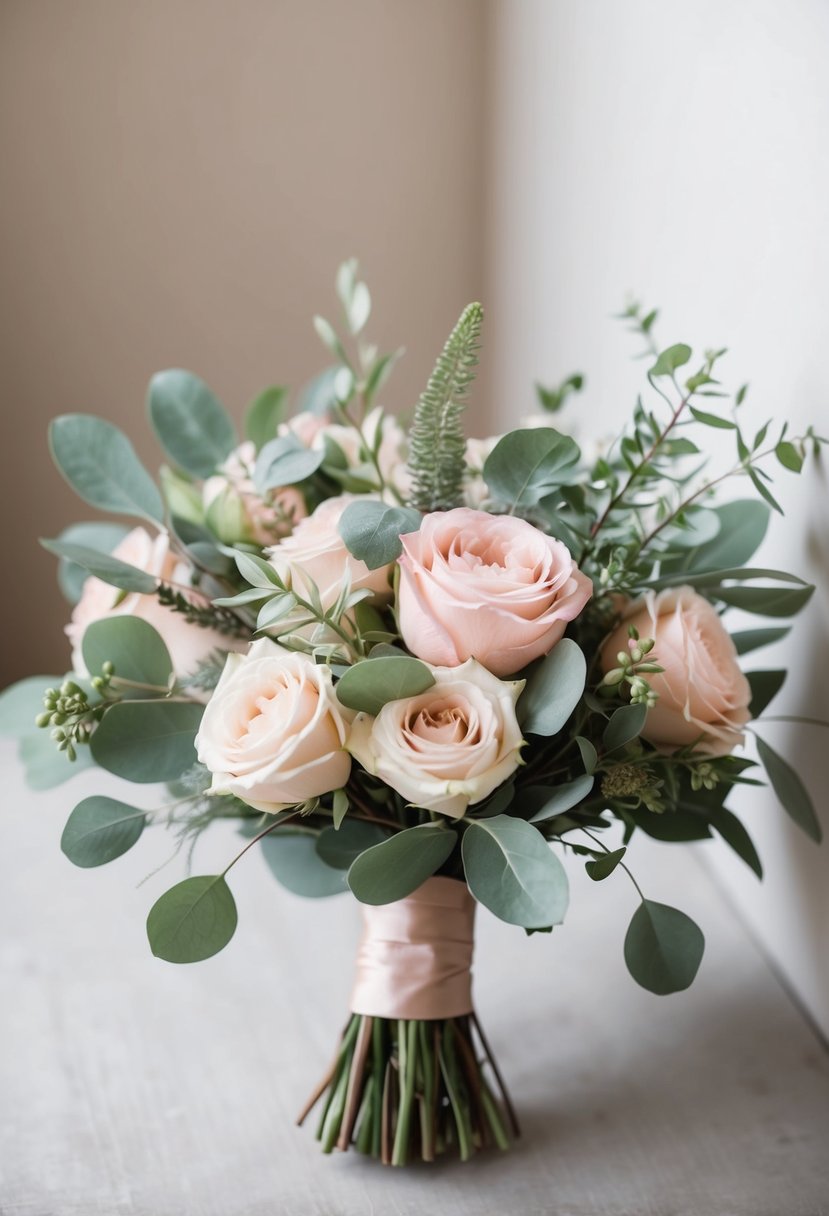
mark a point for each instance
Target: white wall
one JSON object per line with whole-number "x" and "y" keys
{"x": 681, "y": 152}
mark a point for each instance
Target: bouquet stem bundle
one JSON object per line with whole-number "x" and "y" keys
{"x": 401, "y": 1089}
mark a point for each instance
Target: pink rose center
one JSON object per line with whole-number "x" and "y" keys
{"x": 442, "y": 723}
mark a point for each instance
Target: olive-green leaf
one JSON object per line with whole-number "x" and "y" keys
{"x": 285, "y": 462}
{"x": 292, "y": 858}
{"x": 563, "y": 798}
{"x": 147, "y": 741}
{"x": 602, "y": 867}
{"x": 372, "y": 531}
{"x": 734, "y": 834}
{"x": 192, "y": 921}
{"x": 764, "y": 685}
{"x": 663, "y": 948}
{"x": 743, "y": 525}
{"x": 766, "y": 601}
{"x": 396, "y": 867}
{"x": 525, "y": 466}
{"x": 793, "y": 795}
{"x": 339, "y": 847}
{"x": 192, "y": 425}
{"x": 134, "y": 647}
{"x": 264, "y": 415}
{"x": 100, "y": 464}
{"x": 672, "y": 358}
{"x": 511, "y": 870}
{"x": 747, "y": 640}
{"x": 372, "y": 683}
{"x": 101, "y": 829}
{"x": 553, "y": 690}
{"x": 625, "y": 724}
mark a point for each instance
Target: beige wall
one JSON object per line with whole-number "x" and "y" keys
{"x": 180, "y": 180}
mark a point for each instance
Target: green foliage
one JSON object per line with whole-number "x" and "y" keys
{"x": 21, "y": 703}
{"x": 526, "y": 466}
{"x": 625, "y": 725}
{"x": 735, "y": 835}
{"x": 101, "y": 829}
{"x": 603, "y": 865}
{"x": 371, "y": 684}
{"x": 136, "y": 651}
{"x": 203, "y": 614}
{"x": 663, "y": 948}
{"x": 101, "y": 466}
{"x": 45, "y": 767}
{"x": 293, "y": 860}
{"x": 147, "y": 741}
{"x": 192, "y": 921}
{"x": 190, "y": 422}
{"x": 393, "y": 869}
{"x": 511, "y": 870}
{"x": 747, "y": 640}
{"x": 553, "y": 399}
{"x": 339, "y": 847}
{"x": 264, "y": 415}
{"x": 372, "y": 531}
{"x": 553, "y": 689}
{"x": 671, "y": 359}
{"x": 765, "y": 685}
{"x": 436, "y": 441}
{"x": 284, "y": 462}
{"x": 563, "y": 797}
{"x": 793, "y": 795}
{"x": 109, "y": 569}
{"x": 100, "y": 536}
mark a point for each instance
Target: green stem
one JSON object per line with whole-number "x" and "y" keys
{"x": 407, "y": 1041}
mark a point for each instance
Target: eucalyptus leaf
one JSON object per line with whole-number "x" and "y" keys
{"x": 44, "y": 766}
{"x": 21, "y": 703}
{"x": 264, "y": 415}
{"x": 714, "y": 420}
{"x": 109, "y": 569}
{"x": 672, "y": 358}
{"x": 625, "y": 724}
{"x": 752, "y": 639}
{"x": 101, "y": 829}
{"x": 285, "y": 462}
{"x": 371, "y": 684}
{"x": 765, "y": 685}
{"x": 293, "y": 860}
{"x": 511, "y": 870}
{"x": 743, "y": 526}
{"x": 663, "y": 948}
{"x": 319, "y": 395}
{"x": 192, "y": 425}
{"x": 99, "y": 535}
{"x": 553, "y": 689}
{"x": 766, "y": 601}
{"x": 525, "y": 466}
{"x": 136, "y": 650}
{"x": 339, "y": 847}
{"x": 100, "y": 464}
{"x": 147, "y": 741}
{"x": 372, "y": 531}
{"x": 734, "y": 834}
{"x": 589, "y": 756}
{"x": 563, "y": 798}
{"x": 793, "y": 795}
{"x": 393, "y": 869}
{"x": 602, "y": 867}
{"x": 192, "y": 921}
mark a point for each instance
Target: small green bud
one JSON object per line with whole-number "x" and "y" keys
{"x": 43, "y": 719}
{"x": 51, "y": 694}
{"x": 633, "y": 633}
{"x": 62, "y": 745}
{"x": 637, "y": 654}
{"x": 623, "y": 659}
{"x": 98, "y": 683}
{"x": 108, "y": 668}
{"x": 58, "y": 733}
{"x": 71, "y": 754}
{"x": 646, "y": 645}
{"x": 614, "y": 677}
{"x": 57, "y": 719}
{"x": 69, "y": 688}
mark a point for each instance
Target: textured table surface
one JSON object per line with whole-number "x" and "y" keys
{"x": 129, "y": 1086}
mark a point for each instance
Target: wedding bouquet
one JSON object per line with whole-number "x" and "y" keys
{"x": 425, "y": 669}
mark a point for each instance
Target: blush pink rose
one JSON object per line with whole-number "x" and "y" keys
{"x": 188, "y": 644}
{"x": 489, "y": 587}
{"x": 703, "y": 694}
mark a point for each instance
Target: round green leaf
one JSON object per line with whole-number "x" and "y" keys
{"x": 192, "y": 425}
{"x": 339, "y": 847}
{"x": 525, "y": 466}
{"x": 21, "y": 703}
{"x": 294, "y": 862}
{"x": 663, "y": 948}
{"x": 372, "y": 683}
{"x": 133, "y": 646}
{"x": 100, "y": 464}
{"x": 193, "y": 920}
{"x": 672, "y": 358}
{"x": 285, "y": 462}
{"x": 372, "y": 531}
{"x": 603, "y": 867}
{"x": 512, "y": 871}
{"x": 99, "y": 830}
{"x": 392, "y": 870}
{"x": 109, "y": 569}
{"x": 563, "y": 798}
{"x": 44, "y": 765}
{"x": 264, "y": 415}
{"x": 743, "y": 525}
{"x": 625, "y": 724}
{"x": 147, "y": 741}
{"x": 553, "y": 690}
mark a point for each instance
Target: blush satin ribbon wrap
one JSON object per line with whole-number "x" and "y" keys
{"x": 415, "y": 956}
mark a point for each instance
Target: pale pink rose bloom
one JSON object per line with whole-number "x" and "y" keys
{"x": 305, "y": 426}
{"x": 241, "y": 512}
{"x": 316, "y": 554}
{"x": 702, "y": 691}
{"x": 188, "y": 644}
{"x": 383, "y": 435}
{"x": 273, "y": 733}
{"x": 449, "y": 747}
{"x": 488, "y": 587}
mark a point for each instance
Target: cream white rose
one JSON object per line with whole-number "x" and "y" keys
{"x": 273, "y": 733}
{"x": 449, "y": 747}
